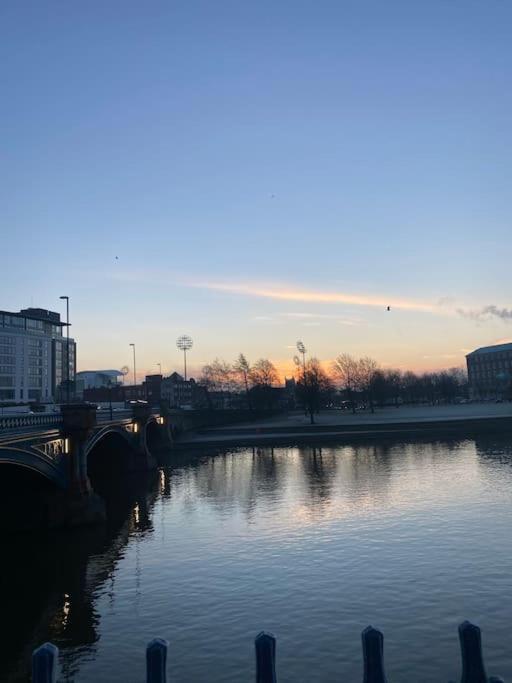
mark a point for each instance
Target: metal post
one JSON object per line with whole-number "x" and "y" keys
{"x": 184, "y": 343}
{"x": 265, "y": 645}
{"x": 156, "y": 660}
{"x": 44, "y": 664}
{"x": 373, "y": 655}
{"x": 134, "y": 368}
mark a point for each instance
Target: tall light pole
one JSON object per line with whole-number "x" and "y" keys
{"x": 159, "y": 367}
{"x": 302, "y": 349}
{"x": 67, "y": 346}
{"x": 134, "y": 368}
{"x": 184, "y": 343}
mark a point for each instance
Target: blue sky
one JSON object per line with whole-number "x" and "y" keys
{"x": 254, "y": 167}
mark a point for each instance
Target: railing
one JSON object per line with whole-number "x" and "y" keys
{"x": 103, "y": 415}
{"x": 19, "y": 421}
{"x": 44, "y": 659}
{"x": 55, "y": 419}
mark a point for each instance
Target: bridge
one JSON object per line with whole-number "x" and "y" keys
{"x": 52, "y": 466}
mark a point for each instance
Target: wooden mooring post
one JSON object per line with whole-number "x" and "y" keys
{"x": 44, "y": 659}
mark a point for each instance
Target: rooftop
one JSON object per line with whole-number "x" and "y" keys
{"x": 116, "y": 373}
{"x": 491, "y": 349}
{"x": 37, "y": 314}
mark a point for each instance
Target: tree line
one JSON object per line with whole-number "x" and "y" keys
{"x": 348, "y": 382}
{"x": 255, "y": 381}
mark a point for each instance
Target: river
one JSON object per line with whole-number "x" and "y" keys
{"x": 312, "y": 544}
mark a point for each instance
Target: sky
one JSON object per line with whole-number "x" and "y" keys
{"x": 254, "y": 173}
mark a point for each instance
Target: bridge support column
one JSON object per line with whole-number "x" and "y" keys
{"x": 167, "y": 423}
{"x": 141, "y": 413}
{"x": 83, "y": 505}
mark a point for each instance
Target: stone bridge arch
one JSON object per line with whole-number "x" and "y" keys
{"x": 32, "y": 489}
{"x": 38, "y": 464}
{"x": 109, "y": 453}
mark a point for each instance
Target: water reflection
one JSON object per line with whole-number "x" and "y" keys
{"x": 54, "y": 578}
{"x": 218, "y": 545}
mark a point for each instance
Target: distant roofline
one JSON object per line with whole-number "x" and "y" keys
{"x": 100, "y": 372}
{"x": 494, "y": 348}
{"x": 19, "y": 314}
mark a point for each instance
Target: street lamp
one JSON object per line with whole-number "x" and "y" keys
{"x": 134, "y": 368}
{"x": 184, "y": 343}
{"x": 67, "y": 346}
{"x": 302, "y": 349}
{"x": 159, "y": 367}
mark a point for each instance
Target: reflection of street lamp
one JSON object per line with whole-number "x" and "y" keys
{"x": 134, "y": 370}
{"x": 67, "y": 346}
{"x": 184, "y": 343}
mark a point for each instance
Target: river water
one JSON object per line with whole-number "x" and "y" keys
{"x": 310, "y": 544}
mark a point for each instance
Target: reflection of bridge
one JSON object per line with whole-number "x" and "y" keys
{"x": 58, "y": 459}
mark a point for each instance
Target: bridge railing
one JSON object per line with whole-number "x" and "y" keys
{"x": 104, "y": 415}
{"x": 55, "y": 419}
{"x": 44, "y": 659}
{"x": 37, "y": 420}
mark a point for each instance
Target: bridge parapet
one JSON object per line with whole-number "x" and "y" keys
{"x": 21, "y": 421}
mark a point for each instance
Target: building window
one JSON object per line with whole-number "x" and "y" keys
{"x": 34, "y": 324}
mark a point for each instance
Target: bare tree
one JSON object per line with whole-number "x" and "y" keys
{"x": 242, "y": 371}
{"x": 263, "y": 373}
{"x": 263, "y": 376}
{"x": 346, "y": 370}
{"x": 218, "y": 377}
{"x": 366, "y": 373}
{"x": 314, "y": 387}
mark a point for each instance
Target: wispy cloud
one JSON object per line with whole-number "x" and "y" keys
{"x": 287, "y": 293}
{"x": 316, "y": 317}
{"x": 486, "y": 313}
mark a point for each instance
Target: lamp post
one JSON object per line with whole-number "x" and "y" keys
{"x": 110, "y": 397}
{"x": 67, "y": 346}
{"x": 134, "y": 368}
{"x": 159, "y": 367}
{"x": 184, "y": 343}
{"x": 302, "y": 349}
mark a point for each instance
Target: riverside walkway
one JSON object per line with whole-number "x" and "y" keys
{"x": 463, "y": 419}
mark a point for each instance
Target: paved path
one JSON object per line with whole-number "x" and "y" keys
{"x": 405, "y": 420}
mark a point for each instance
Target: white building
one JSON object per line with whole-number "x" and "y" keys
{"x": 33, "y": 354}
{"x": 95, "y": 379}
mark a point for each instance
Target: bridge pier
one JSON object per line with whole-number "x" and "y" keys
{"x": 82, "y": 505}
{"x": 145, "y": 460}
